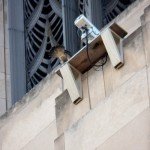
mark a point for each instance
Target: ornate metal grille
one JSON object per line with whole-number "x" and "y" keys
{"x": 44, "y": 29}
{"x": 43, "y": 22}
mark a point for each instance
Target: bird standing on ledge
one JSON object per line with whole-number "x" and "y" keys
{"x": 60, "y": 53}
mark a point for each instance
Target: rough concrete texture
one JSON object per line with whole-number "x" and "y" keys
{"x": 31, "y": 116}
{"x": 134, "y": 136}
{"x": 145, "y": 19}
{"x": 133, "y": 50}
{"x": 2, "y": 106}
{"x": 60, "y": 143}
{"x": 130, "y": 18}
{"x": 118, "y": 109}
{"x": 66, "y": 112}
{"x": 44, "y": 140}
{"x": 4, "y": 60}
{"x": 2, "y": 86}
{"x": 96, "y": 94}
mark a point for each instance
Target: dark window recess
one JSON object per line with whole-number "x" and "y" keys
{"x": 41, "y": 73}
{"x": 32, "y": 53}
{"x": 114, "y": 11}
{"x": 34, "y": 4}
{"x": 58, "y": 34}
{"x": 120, "y": 8}
{"x": 37, "y": 77}
{"x": 39, "y": 28}
{"x": 56, "y": 27}
{"x": 51, "y": 17}
{"x": 38, "y": 34}
{"x": 35, "y": 48}
{"x": 36, "y": 40}
{"x": 54, "y": 62}
{"x": 31, "y": 83}
{"x": 42, "y": 20}
{"x": 46, "y": 56}
{"x": 35, "y": 82}
{"x": 44, "y": 65}
{"x": 126, "y": 2}
{"x": 48, "y": 46}
{"x": 61, "y": 40}
{"x": 29, "y": 7}
{"x": 54, "y": 24}
{"x": 112, "y": 17}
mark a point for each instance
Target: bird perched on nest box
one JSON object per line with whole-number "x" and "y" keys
{"x": 60, "y": 53}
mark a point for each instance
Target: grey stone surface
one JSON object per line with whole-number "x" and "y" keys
{"x": 134, "y": 136}
{"x": 2, "y": 62}
{"x": 7, "y": 63}
{"x": 96, "y": 87}
{"x": 123, "y": 105}
{"x": 1, "y": 34}
{"x": 2, "y": 106}
{"x": 1, "y": 11}
{"x": 5, "y": 11}
{"x": 68, "y": 113}
{"x": 120, "y": 121}
{"x": 2, "y": 86}
{"x": 148, "y": 75}
{"x": 17, "y": 49}
{"x": 130, "y": 18}
{"x": 44, "y": 140}
{"x": 6, "y": 36}
{"x": 30, "y": 116}
{"x": 145, "y": 20}
{"x": 17, "y": 61}
{"x": 60, "y": 143}
{"x": 134, "y": 60}
{"x": 69, "y": 14}
{"x": 8, "y": 92}
{"x": 96, "y": 13}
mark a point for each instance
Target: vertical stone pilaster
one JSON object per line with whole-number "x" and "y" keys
{"x": 70, "y": 13}
{"x": 17, "y": 49}
{"x": 96, "y": 12}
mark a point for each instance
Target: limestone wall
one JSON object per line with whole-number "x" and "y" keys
{"x": 114, "y": 113}
{"x": 4, "y": 59}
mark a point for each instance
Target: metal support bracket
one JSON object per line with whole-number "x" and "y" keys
{"x": 113, "y": 45}
{"x": 72, "y": 81}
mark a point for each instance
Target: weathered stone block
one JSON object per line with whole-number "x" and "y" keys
{"x": 2, "y": 86}
{"x": 130, "y": 18}
{"x": 145, "y": 19}
{"x": 96, "y": 86}
{"x": 68, "y": 113}
{"x": 44, "y": 140}
{"x": 134, "y": 60}
{"x": 8, "y": 89}
{"x": 2, "y": 63}
{"x": 122, "y": 106}
{"x": 6, "y": 36}
{"x": 2, "y": 34}
{"x": 148, "y": 74}
{"x": 27, "y": 120}
{"x": 1, "y": 11}
{"x": 5, "y": 11}
{"x": 2, "y": 106}
{"x": 134, "y": 136}
{"x": 60, "y": 143}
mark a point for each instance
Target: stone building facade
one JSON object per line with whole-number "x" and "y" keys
{"x": 115, "y": 110}
{"x": 29, "y": 28}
